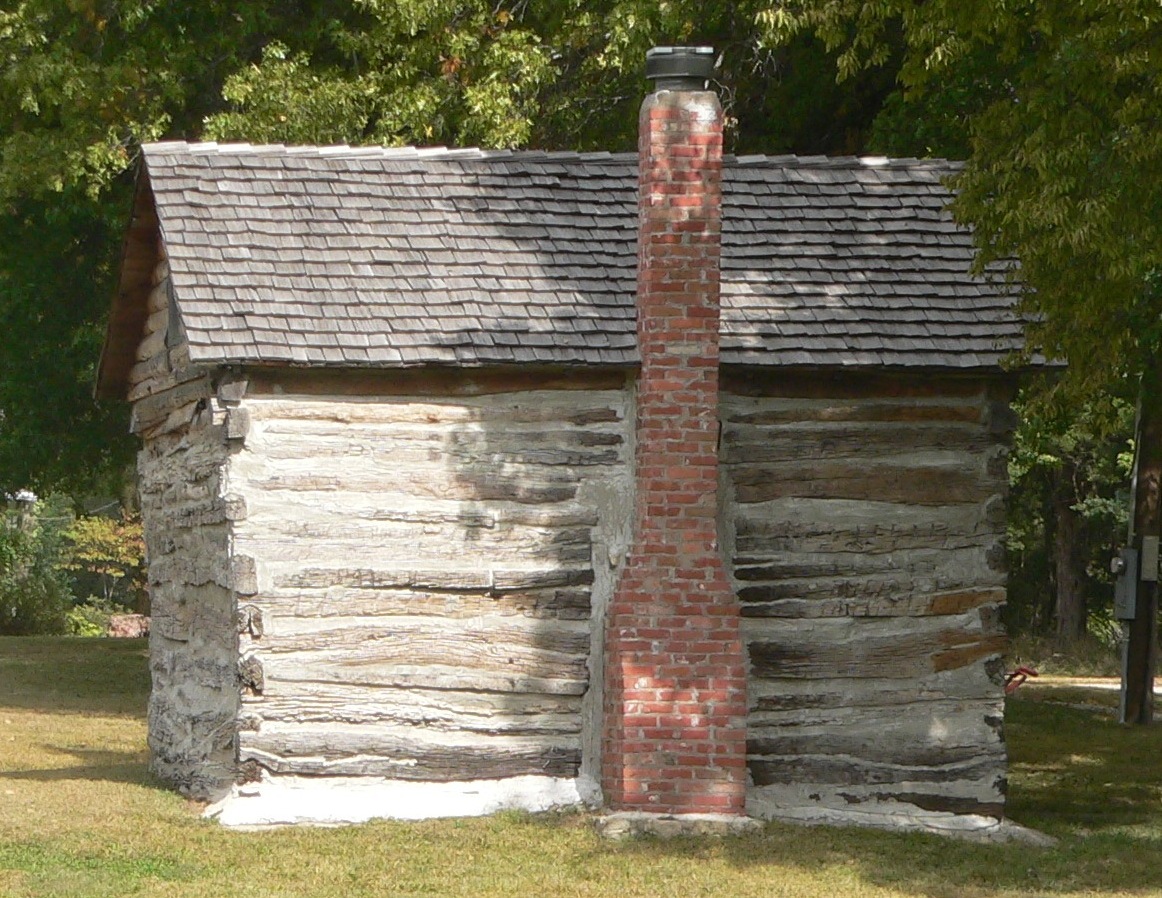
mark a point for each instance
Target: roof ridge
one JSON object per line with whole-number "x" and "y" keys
{"x": 439, "y": 153}
{"x": 213, "y": 148}
{"x": 759, "y": 160}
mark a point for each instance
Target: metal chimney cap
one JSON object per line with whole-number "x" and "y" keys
{"x": 680, "y": 68}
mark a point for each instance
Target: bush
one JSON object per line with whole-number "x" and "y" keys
{"x": 91, "y": 617}
{"x": 34, "y": 588}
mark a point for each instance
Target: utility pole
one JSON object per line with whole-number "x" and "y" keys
{"x": 1140, "y": 652}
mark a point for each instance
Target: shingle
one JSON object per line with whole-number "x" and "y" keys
{"x": 402, "y": 256}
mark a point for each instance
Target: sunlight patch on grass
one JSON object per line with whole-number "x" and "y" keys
{"x": 80, "y": 816}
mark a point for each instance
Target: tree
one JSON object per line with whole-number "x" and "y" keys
{"x": 56, "y": 271}
{"x": 1062, "y": 176}
{"x": 34, "y": 590}
{"x": 107, "y": 560}
{"x": 86, "y": 82}
{"x": 1069, "y": 475}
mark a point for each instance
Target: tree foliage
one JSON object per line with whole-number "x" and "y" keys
{"x": 34, "y": 588}
{"x": 85, "y": 82}
{"x": 107, "y": 559}
{"x": 1069, "y": 474}
{"x": 1055, "y": 104}
{"x": 1065, "y": 136}
{"x": 56, "y": 276}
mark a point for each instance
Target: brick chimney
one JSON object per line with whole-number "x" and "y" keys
{"x": 675, "y": 707}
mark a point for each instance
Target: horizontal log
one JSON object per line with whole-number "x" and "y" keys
{"x": 790, "y": 566}
{"x": 467, "y": 652}
{"x": 151, "y": 344}
{"x": 181, "y": 612}
{"x": 757, "y": 445}
{"x": 179, "y": 421}
{"x": 765, "y": 414}
{"x": 433, "y": 482}
{"x": 288, "y": 511}
{"x": 205, "y": 513}
{"x": 898, "y": 658}
{"x": 435, "y": 382}
{"x": 952, "y": 602}
{"x": 471, "y": 712}
{"x": 144, "y": 372}
{"x": 886, "y": 540}
{"x": 154, "y": 409}
{"x": 821, "y": 526}
{"x": 476, "y": 579}
{"x": 854, "y": 647}
{"x": 333, "y": 668}
{"x": 311, "y": 543}
{"x": 187, "y": 541}
{"x": 864, "y": 592}
{"x": 807, "y": 517}
{"x": 169, "y": 496}
{"x": 209, "y": 565}
{"x": 346, "y": 750}
{"x": 505, "y": 639}
{"x": 916, "y": 485}
{"x": 158, "y": 319}
{"x": 386, "y": 452}
{"x": 932, "y": 734}
{"x": 570, "y": 603}
{"x": 420, "y": 444}
{"x": 195, "y": 455}
{"x": 158, "y": 297}
{"x": 175, "y": 494}
{"x": 740, "y": 383}
{"x": 805, "y": 770}
{"x": 526, "y": 409}
{"x": 775, "y": 702}
{"x": 956, "y": 656}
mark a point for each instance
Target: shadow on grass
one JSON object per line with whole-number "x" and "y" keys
{"x": 92, "y": 764}
{"x": 1075, "y": 774}
{"x": 932, "y": 866}
{"x": 1079, "y": 771}
{"x": 54, "y": 674}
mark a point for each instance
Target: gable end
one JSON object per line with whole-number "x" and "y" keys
{"x": 129, "y": 311}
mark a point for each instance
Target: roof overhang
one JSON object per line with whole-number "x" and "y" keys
{"x": 129, "y": 310}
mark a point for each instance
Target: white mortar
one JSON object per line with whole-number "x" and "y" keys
{"x": 335, "y": 800}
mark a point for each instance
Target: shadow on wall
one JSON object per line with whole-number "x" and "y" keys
{"x": 542, "y": 464}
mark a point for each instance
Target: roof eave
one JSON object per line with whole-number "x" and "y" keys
{"x": 129, "y": 309}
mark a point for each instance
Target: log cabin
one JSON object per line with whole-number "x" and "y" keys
{"x": 669, "y": 482}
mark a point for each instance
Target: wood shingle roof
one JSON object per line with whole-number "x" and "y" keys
{"x": 349, "y": 257}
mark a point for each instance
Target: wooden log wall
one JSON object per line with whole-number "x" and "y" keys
{"x": 194, "y": 702}
{"x": 425, "y": 570}
{"x": 864, "y": 523}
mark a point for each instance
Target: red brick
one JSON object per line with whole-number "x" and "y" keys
{"x": 675, "y": 682}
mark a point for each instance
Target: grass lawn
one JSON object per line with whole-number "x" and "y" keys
{"x": 80, "y": 816}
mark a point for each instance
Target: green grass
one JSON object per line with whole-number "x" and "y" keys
{"x": 80, "y": 816}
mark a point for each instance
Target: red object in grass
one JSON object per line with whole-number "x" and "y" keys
{"x": 1014, "y": 680}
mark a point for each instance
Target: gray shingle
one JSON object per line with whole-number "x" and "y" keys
{"x": 402, "y": 256}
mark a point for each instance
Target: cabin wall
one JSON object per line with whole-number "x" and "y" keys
{"x": 193, "y": 704}
{"x": 863, "y": 520}
{"x": 429, "y": 561}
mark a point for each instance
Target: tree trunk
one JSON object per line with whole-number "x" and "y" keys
{"x": 1141, "y": 653}
{"x": 1069, "y": 571}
